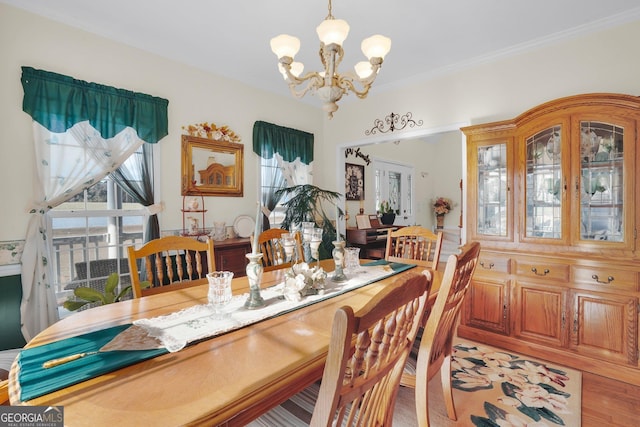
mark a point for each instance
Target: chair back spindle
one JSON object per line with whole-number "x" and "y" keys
{"x": 273, "y": 254}
{"x": 170, "y": 262}
{"x": 414, "y": 245}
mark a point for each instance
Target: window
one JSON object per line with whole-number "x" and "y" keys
{"x": 272, "y": 180}
{"x": 285, "y": 160}
{"x": 90, "y": 234}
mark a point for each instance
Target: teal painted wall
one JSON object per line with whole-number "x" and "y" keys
{"x": 10, "y": 296}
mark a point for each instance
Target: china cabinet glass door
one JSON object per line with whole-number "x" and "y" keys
{"x": 493, "y": 186}
{"x": 602, "y": 186}
{"x": 544, "y": 184}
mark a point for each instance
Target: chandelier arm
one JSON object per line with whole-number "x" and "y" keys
{"x": 313, "y": 77}
{"x": 347, "y": 80}
{"x": 314, "y": 81}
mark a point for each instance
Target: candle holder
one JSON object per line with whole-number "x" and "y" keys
{"x": 338, "y": 260}
{"x": 254, "y": 274}
{"x": 314, "y": 245}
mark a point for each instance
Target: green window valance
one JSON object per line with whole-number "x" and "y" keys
{"x": 58, "y": 102}
{"x": 289, "y": 143}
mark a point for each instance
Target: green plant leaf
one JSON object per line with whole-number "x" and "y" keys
{"x": 123, "y": 293}
{"x": 109, "y": 298}
{"x": 72, "y": 305}
{"x": 88, "y": 294}
{"x": 112, "y": 283}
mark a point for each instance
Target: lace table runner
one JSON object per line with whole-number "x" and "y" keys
{"x": 178, "y": 329}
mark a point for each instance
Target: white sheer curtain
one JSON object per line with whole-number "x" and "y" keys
{"x": 66, "y": 164}
{"x": 295, "y": 172}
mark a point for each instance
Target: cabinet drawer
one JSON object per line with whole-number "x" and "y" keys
{"x": 232, "y": 259}
{"x": 543, "y": 270}
{"x": 490, "y": 263}
{"x": 607, "y": 278}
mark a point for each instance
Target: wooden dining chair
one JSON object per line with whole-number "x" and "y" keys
{"x": 414, "y": 245}
{"x": 4, "y": 392}
{"x": 436, "y": 343}
{"x": 367, "y": 354}
{"x": 273, "y": 256}
{"x": 170, "y": 263}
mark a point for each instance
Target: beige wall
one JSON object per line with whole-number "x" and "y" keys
{"x": 194, "y": 97}
{"x": 599, "y": 62}
{"x": 605, "y": 61}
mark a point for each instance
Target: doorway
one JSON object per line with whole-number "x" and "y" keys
{"x": 394, "y": 184}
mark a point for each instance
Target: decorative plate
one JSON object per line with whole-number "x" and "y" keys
{"x": 244, "y": 225}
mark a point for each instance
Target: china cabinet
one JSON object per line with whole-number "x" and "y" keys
{"x": 553, "y": 201}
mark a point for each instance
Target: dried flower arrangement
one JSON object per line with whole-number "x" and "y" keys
{"x": 211, "y": 131}
{"x": 442, "y": 206}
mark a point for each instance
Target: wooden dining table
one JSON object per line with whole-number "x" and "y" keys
{"x": 229, "y": 379}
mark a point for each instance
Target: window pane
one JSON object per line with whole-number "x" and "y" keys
{"x": 90, "y": 234}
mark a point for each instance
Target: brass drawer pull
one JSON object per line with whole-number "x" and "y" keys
{"x": 489, "y": 267}
{"x": 597, "y": 279}
{"x": 535, "y": 271}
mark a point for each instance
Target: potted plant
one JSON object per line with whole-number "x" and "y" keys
{"x": 84, "y": 295}
{"x": 387, "y": 214}
{"x": 304, "y": 203}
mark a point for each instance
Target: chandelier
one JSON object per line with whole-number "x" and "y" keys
{"x": 329, "y": 85}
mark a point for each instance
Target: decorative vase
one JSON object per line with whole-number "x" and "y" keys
{"x": 388, "y": 218}
{"x": 440, "y": 221}
{"x": 254, "y": 275}
{"x": 338, "y": 260}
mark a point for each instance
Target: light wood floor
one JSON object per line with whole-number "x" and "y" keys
{"x": 609, "y": 403}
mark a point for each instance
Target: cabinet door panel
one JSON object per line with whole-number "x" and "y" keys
{"x": 604, "y": 184}
{"x": 487, "y": 305}
{"x": 232, "y": 259}
{"x": 605, "y": 326}
{"x": 545, "y": 164}
{"x": 541, "y": 313}
{"x": 491, "y": 175}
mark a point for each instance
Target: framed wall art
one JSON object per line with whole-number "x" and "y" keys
{"x": 354, "y": 182}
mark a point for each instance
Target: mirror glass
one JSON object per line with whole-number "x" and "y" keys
{"x": 211, "y": 167}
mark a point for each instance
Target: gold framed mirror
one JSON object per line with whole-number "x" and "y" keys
{"x": 211, "y": 167}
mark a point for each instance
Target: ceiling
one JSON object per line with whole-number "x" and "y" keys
{"x": 231, "y": 38}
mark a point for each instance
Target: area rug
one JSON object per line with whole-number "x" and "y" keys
{"x": 492, "y": 388}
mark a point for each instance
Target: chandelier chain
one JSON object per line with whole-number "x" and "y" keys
{"x": 330, "y": 15}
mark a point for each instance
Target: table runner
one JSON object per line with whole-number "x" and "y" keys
{"x": 176, "y": 330}
{"x": 35, "y": 381}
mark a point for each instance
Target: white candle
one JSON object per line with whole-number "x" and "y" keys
{"x": 338, "y": 238}
{"x": 256, "y": 233}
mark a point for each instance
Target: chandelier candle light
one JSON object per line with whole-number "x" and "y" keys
{"x": 328, "y": 84}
